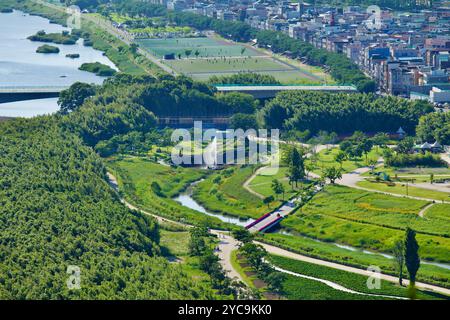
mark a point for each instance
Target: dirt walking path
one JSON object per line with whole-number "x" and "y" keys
{"x": 288, "y": 254}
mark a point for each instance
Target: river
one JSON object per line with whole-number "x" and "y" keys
{"x": 185, "y": 199}
{"x": 21, "y": 66}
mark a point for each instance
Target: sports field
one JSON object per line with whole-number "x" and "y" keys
{"x": 206, "y": 47}
{"x": 204, "y": 57}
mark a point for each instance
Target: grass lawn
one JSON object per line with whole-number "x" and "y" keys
{"x": 218, "y": 65}
{"x": 370, "y": 221}
{"x": 402, "y": 188}
{"x": 325, "y": 159}
{"x": 415, "y": 172}
{"x": 349, "y": 280}
{"x": 296, "y": 288}
{"x": 356, "y": 258}
{"x": 135, "y": 176}
{"x": 262, "y": 183}
{"x": 223, "y": 192}
{"x": 439, "y": 211}
{"x": 242, "y": 270}
{"x": 207, "y": 47}
{"x": 315, "y": 72}
{"x": 174, "y": 246}
{"x": 174, "y": 243}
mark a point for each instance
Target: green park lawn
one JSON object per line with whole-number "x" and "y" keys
{"x": 219, "y": 65}
{"x": 439, "y": 211}
{"x": 325, "y": 159}
{"x": 262, "y": 183}
{"x": 422, "y": 174}
{"x": 402, "y": 188}
{"x": 135, "y": 176}
{"x": 293, "y": 288}
{"x": 175, "y": 247}
{"x": 207, "y": 47}
{"x": 370, "y": 221}
{"x": 223, "y": 192}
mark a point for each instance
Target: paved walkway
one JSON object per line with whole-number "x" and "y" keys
{"x": 422, "y": 212}
{"x": 288, "y": 254}
{"x": 446, "y": 157}
{"x": 351, "y": 179}
{"x": 227, "y": 244}
{"x": 442, "y": 187}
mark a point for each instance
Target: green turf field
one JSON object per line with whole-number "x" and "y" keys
{"x": 213, "y": 56}
{"x": 206, "y": 47}
{"x": 217, "y": 65}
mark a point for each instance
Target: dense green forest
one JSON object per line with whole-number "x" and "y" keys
{"x": 132, "y": 103}
{"x": 434, "y": 127}
{"x": 56, "y": 209}
{"x": 342, "y": 113}
{"x": 244, "y": 78}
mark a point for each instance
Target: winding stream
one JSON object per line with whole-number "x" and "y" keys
{"x": 185, "y": 199}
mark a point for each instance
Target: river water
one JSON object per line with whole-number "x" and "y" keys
{"x": 185, "y": 199}
{"x": 21, "y": 66}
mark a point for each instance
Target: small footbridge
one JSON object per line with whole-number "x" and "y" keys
{"x": 271, "y": 219}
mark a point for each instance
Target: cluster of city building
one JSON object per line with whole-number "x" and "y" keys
{"x": 406, "y": 53}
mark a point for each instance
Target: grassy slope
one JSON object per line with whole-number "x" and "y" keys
{"x": 235, "y": 199}
{"x": 359, "y": 259}
{"x": 135, "y": 176}
{"x": 262, "y": 183}
{"x": 400, "y": 188}
{"x": 368, "y": 220}
{"x": 349, "y": 280}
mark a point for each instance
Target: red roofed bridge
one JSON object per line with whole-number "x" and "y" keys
{"x": 271, "y": 219}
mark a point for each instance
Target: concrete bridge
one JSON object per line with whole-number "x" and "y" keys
{"x": 269, "y": 91}
{"x": 11, "y": 93}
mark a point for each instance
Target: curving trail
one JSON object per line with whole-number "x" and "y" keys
{"x": 422, "y": 212}
{"x": 296, "y": 256}
{"x": 335, "y": 285}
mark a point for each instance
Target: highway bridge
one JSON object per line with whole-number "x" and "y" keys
{"x": 269, "y": 91}
{"x": 12, "y": 93}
